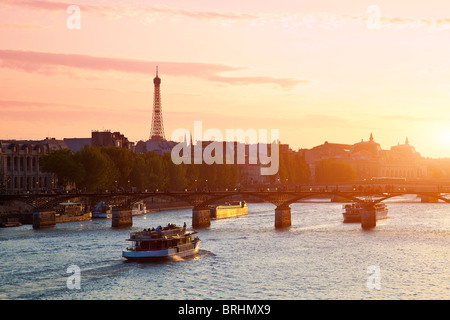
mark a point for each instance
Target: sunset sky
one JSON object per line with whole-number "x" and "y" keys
{"x": 316, "y": 70}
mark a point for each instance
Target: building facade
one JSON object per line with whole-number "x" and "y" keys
{"x": 20, "y": 171}
{"x": 108, "y": 138}
{"x": 369, "y": 160}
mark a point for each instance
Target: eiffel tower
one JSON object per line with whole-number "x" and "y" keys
{"x": 157, "y": 131}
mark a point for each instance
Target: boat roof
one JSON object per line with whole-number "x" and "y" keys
{"x": 148, "y": 238}
{"x": 160, "y": 233}
{"x": 69, "y": 203}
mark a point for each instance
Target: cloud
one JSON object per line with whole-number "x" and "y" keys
{"x": 399, "y": 23}
{"x": 44, "y": 110}
{"x": 13, "y": 104}
{"x": 32, "y": 111}
{"x": 36, "y": 4}
{"x": 291, "y": 21}
{"x": 58, "y": 63}
{"x": 283, "y": 82}
{"x": 411, "y": 118}
{"x": 203, "y": 15}
{"x": 127, "y": 10}
{"x": 60, "y": 6}
{"x": 21, "y": 26}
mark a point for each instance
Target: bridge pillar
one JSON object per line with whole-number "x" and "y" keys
{"x": 426, "y": 198}
{"x": 121, "y": 218}
{"x": 43, "y": 219}
{"x": 201, "y": 217}
{"x": 282, "y": 216}
{"x": 368, "y": 217}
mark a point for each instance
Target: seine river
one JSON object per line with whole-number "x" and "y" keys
{"x": 319, "y": 257}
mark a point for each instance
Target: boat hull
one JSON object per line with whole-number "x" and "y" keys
{"x": 170, "y": 254}
{"x": 356, "y": 217}
{"x": 101, "y": 215}
{"x": 229, "y": 210}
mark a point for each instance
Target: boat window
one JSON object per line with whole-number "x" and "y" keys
{"x": 137, "y": 245}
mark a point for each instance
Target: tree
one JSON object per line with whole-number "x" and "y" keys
{"x": 100, "y": 171}
{"x": 207, "y": 175}
{"x": 138, "y": 177}
{"x": 124, "y": 161}
{"x": 334, "y": 171}
{"x": 227, "y": 176}
{"x": 176, "y": 174}
{"x": 293, "y": 169}
{"x": 192, "y": 176}
{"x": 62, "y": 163}
{"x": 155, "y": 170}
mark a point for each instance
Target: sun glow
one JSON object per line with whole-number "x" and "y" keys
{"x": 441, "y": 137}
{"x": 446, "y": 137}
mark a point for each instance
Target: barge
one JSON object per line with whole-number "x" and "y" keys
{"x": 71, "y": 212}
{"x": 229, "y": 209}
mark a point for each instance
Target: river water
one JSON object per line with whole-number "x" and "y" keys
{"x": 318, "y": 257}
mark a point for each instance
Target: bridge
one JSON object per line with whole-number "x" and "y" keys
{"x": 281, "y": 197}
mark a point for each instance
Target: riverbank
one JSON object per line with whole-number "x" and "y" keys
{"x": 26, "y": 216}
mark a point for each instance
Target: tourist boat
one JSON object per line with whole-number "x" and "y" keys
{"x": 170, "y": 242}
{"x": 102, "y": 210}
{"x": 352, "y": 212}
{"x": 229, "y": 209}
{"x": 138, "y": 208}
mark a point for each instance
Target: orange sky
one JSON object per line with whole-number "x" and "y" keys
{"x": 315, "y": 71}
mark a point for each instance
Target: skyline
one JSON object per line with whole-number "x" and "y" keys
{"x": 315, "y": 71}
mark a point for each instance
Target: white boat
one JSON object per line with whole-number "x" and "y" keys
{"x": 138, "y": 208}
{"x": 352, "y": 212}
{"x": 102, "y": 210}
{"x": 171, "y": 242}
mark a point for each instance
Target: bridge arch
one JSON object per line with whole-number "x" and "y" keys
{"x": 301, "y": 196}
{"x": 432, "y": 195}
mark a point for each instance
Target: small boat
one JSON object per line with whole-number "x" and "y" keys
{"x": 170, "y": 242}
{"x": 138, "y": 208}
{"x": 9, "y": 222}
{"x": 352, "y": 212}
{"x": 102, "y": 210}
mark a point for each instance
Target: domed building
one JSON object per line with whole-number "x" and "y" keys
{"x": 403, "y": 161}
{"x": 366, "y": 149}
{"x": 369, "y": 160}
{"x": 365, "y": 158}
{"x": 405, "y": 150}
